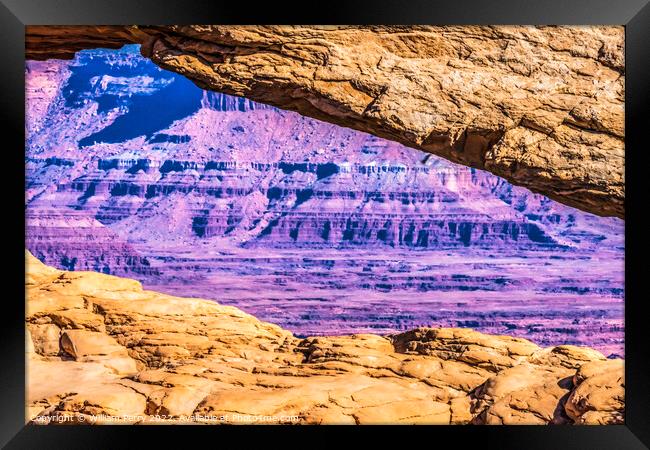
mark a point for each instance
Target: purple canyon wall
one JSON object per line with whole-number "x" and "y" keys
{"x": 132, "y": 170}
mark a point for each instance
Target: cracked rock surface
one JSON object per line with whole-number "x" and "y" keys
{"x": 542, "y": 107}
{"x": 101, "y": 346}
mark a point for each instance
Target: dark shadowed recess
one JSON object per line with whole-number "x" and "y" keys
{"x": 140, "y": 119}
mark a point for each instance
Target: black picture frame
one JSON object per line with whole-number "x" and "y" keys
{"x": 634, "y": 14}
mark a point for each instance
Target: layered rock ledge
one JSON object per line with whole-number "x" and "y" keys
{"x": 100, "y": 347}
{"x": 542, "y": 107}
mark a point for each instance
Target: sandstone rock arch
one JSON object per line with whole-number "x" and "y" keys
{"x": 542, "y": 107}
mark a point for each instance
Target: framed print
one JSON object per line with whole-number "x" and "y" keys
{"x": 375, "y": 215}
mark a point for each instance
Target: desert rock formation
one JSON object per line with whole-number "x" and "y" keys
{"x": 542, "y": 107}
{"x": 224, "y": 194}
{"x": 100, "y": 346}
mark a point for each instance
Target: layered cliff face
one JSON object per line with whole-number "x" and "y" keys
{"x": 99, "y": 142}
{"x": 76, "y": 241}
{"x": 346, "y": 232}
{"x": 122, "y": 354}
{"x": 539, "y": 106}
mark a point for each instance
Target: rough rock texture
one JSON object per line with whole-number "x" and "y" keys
{"x": 100, "y": 347}
{"x": 44, "y": 42}
{"x": 542, "y": 107}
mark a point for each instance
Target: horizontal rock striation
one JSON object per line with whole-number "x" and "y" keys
{"x": 294, "y": 204}
{"x": 347, "y": 232}
{"x": 100, "y": 347}
{"x": 251, "y": 171}
{"x": 539, "y": 106}
{"x": 73, "y": 240}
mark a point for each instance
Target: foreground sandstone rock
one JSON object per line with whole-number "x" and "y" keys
{"x": 542, "y": 107}
{"x": 103, "y": 350}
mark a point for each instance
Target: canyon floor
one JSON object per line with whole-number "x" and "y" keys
{"x": 100, "y": 349}
{"x": 568, "y": 299}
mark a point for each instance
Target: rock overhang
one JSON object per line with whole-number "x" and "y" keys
{"x": 542, "y": 107}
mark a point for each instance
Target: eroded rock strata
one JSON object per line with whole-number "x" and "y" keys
{"x": 540, "y": 106}
{"x": 100, "y": 347}
{"x": 347, "y": 232}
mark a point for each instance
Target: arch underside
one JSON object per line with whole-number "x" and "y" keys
{"x": 542, "y": 107}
